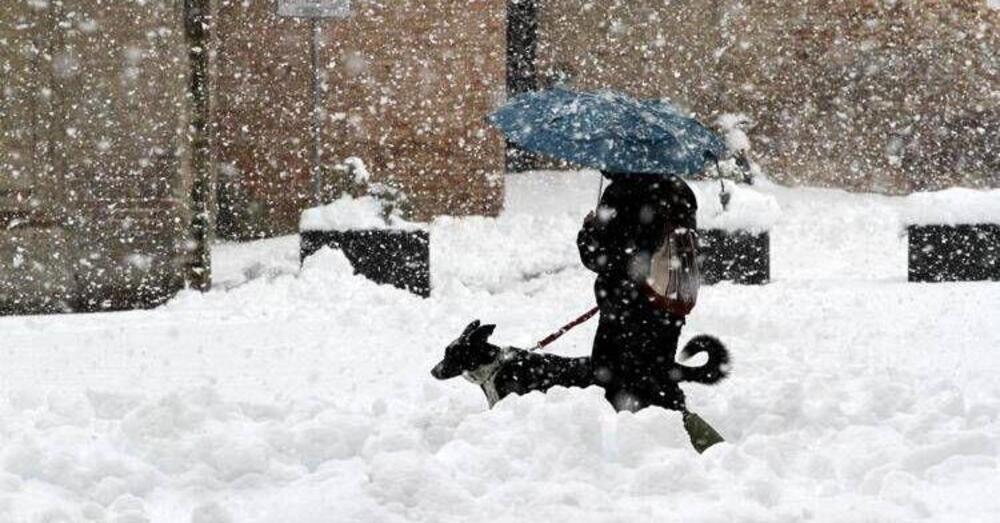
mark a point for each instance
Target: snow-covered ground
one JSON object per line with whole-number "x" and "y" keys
{"x": 305, "y": 395}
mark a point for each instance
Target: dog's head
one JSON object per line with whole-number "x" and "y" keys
{"x": 467, "y": 353}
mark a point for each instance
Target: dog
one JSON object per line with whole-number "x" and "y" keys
{"x": 502, "y": 371}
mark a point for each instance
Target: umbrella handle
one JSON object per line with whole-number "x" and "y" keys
{"x": 718, "y": 169}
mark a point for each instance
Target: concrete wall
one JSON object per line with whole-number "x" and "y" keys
{"x": 406, "y": 87}
{"x": 93, "y": 184}
{"x": 867, "y": 95}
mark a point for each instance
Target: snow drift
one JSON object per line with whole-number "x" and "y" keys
{"x": 305, "y": 395}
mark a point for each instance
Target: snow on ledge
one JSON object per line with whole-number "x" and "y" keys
{"x": 748, "y": 209}
{"x": 349, "y": 213}
{"x": 952, "y": 207}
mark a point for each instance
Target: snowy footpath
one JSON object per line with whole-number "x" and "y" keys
{"x": 304, "y": 395}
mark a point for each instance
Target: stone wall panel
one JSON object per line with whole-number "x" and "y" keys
{"x": 92, "y": 136}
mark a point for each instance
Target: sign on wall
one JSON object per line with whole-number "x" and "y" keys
{"x": 314, "y": 8}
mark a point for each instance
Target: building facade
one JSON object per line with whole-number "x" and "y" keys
{"x": 97, "y": 188}
{"x": 884, "y": 96}
{"x": 94, "y": 178}
{"x": 405, "y": 86}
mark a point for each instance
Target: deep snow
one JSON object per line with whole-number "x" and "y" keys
{"x": 305, "y": 395}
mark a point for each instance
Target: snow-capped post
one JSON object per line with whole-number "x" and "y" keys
{"x": 314, "y": 11}
{"x": 953, "y": 235}
{"x": 734, "y": 223}
{"x": 197, "y": 17}
{"x": 367, "y": 224}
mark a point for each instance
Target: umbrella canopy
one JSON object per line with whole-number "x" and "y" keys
{"x": 608, "y": 131}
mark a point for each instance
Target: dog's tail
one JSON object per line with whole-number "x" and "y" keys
{"x": 714, "y": 370}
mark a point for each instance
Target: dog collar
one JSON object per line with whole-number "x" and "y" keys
{"x": 486, "y": 373}
{"x": 484, "y": 376}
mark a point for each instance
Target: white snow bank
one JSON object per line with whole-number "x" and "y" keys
{"x": 326, "y": 282}
{"x": 802, "y": 450}
{"x": 169, "y": 457}
{"x": 305, "y": 396}
{"x": 235, "y": 263}
{"x": 349, "y": 213}
{"x": 544, "y": 246}
{"x": 534, "y": 238}
{"x": 748, "y": 208}
{"x": 952, "y": 207}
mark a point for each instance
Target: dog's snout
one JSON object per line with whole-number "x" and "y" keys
{"x": 438, "y": 371}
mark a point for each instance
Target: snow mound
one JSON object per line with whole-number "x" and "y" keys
{"x": 532, "y": 240}
{"x": 953, "y": 206}
{"x": 350, "y": 213}
{"x": 304, "y": 395}
{"x": 503, "y": 264}
{"x": 193, "y": 455}
{"x": 355, "y": 461}
{"x": 326, "y": 282}
{"x": 748, "y": 208}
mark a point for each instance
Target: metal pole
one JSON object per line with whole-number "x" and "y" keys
{"x": 197, "y": 16}
{"x": 317, "y": 120}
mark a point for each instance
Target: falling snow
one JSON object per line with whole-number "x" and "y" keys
{"x": 158, "y": 158}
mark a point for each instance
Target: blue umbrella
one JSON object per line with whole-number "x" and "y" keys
{"x": 609, "y": 131}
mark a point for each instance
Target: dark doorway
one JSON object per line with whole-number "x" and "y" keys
{"x": 522, "y": 76}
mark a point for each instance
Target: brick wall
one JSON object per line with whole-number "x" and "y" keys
{"x": 95, "y": 179}
{"x": 93, "y": 185}
{"x": 883, "y": 96}
{"x": 407, "y": 85}
{"x": 263, "y": 112}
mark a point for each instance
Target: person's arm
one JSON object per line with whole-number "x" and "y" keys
{"x": 589, "y": 243}
{"x": 606, "y": 240}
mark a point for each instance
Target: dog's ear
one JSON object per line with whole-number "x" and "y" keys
{"x": 483, "y": 333}
{"x": 471, "y": 328}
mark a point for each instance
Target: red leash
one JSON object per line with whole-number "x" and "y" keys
{"x": 565, "y": 328}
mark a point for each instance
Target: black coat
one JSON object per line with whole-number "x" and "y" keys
{"x": 636, "y": 341}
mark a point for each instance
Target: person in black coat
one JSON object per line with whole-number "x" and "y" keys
{"x": 636, "y": 341}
